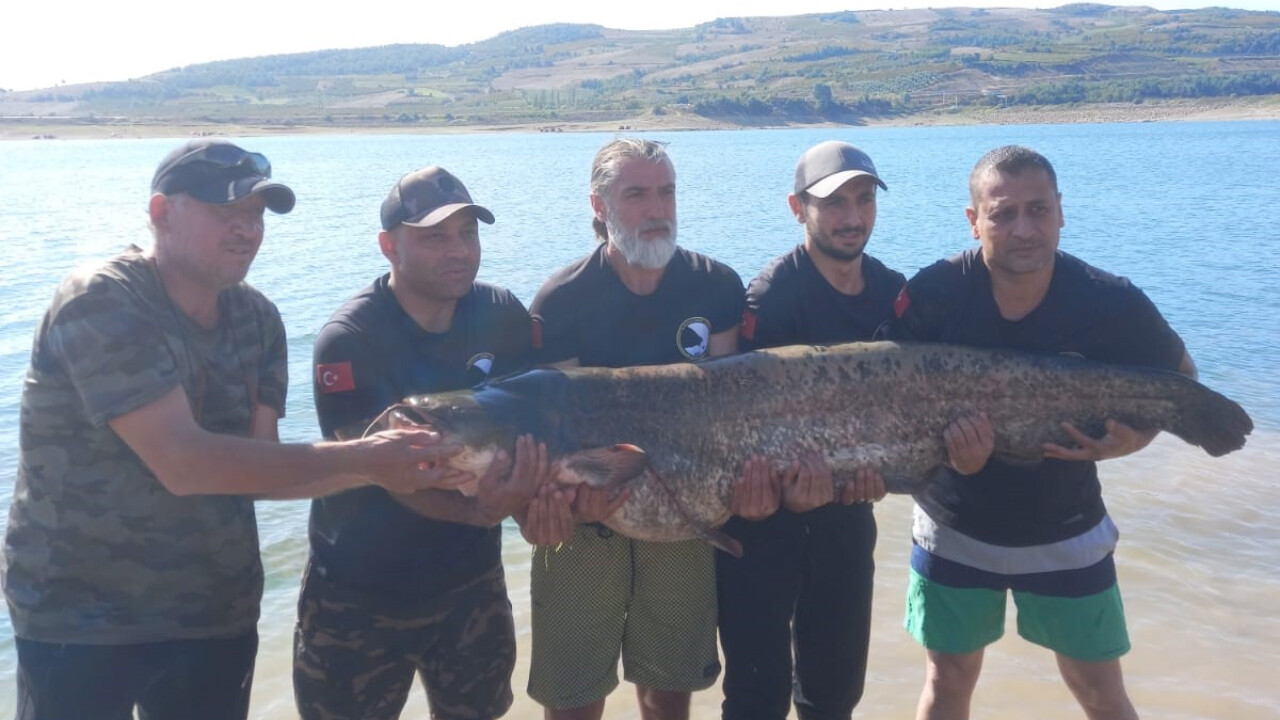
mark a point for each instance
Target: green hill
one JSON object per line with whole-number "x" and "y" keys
{"x": 835, "y": 67}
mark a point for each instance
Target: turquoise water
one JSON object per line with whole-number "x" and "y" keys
{"x": 1185, "y": 210}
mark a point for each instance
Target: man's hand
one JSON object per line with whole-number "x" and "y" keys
{"x": 549, "y": 518}
{"x": 595, "y": 504}
{"x": 1119, "y": 441}
{"x": 506, "y": 488}
{"x": 970, "y": 441}
{"x": 405, "y": 460}
{"x": 807, "y": 484}
{"x": 757, "y": 492}
{"x": 866, "y": 486}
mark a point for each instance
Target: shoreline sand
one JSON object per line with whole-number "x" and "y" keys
{"x": 1202, "y": 110}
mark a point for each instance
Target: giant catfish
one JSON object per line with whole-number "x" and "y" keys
{"x": 879, "y": 405}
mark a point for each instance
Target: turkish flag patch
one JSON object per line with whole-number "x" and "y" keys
{"x": 335, "y": 377}
{"x": 748, "y": 328}
{"x": 901, "y": 303}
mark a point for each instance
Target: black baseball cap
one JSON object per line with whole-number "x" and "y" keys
{"x": 826, "y": 166}
{"x": 425, "y": 197}
{"x": 219, "y": 172}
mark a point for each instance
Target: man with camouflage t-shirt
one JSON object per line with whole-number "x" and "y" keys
{"x": 148, "y": 423}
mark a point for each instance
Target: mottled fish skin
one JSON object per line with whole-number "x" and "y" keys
{"x": 878, "y": 405}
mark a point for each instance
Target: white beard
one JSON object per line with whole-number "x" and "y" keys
{"x": 652, "y": 254}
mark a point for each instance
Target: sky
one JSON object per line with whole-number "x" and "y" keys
{"x": 73, "y": 41}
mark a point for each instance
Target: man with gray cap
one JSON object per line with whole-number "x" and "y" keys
{"x": 804, "y": 580}
{"x": 404, "y": 585}
{"x": 148, "y": 424}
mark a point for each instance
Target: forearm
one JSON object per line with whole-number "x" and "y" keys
{"x": 215, "y": 464}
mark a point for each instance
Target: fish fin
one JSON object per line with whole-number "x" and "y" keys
{"x": 605, "y": 466}
{"x": 719, "y": 540}
{"x": 716, "y": 538}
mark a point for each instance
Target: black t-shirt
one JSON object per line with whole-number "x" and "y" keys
{"x": 791, "y": 303}
{"x": 584, "y": 311}
{"x": 1087, "y": 313}
{"x": 370, "y": 355}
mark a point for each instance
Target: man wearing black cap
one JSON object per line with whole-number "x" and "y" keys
{"x": 148, "y": 424}
{"x": 804, "y": 580}
{"x": 405, "y": 585}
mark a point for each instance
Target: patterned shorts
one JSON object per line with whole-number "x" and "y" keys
{"x": 355, "y": 654}
{"x": 603, "y": 595}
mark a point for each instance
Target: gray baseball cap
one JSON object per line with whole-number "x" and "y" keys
{"x": 826, "y": 166}
{"x": 425, "y": 197}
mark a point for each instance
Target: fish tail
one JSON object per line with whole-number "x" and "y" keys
{"x": 1212, "y": 421}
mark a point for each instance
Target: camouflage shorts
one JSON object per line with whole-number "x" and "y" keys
{"x": 355, "y": 656}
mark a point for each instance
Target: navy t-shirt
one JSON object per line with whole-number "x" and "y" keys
{"x": 370, "y": 355}
{"x": 1087, "y": 313}
{"x": 791, "y": 303}
{"x": 584, "y": 311}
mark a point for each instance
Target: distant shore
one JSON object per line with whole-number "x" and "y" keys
{"x": 1202, "y": 110}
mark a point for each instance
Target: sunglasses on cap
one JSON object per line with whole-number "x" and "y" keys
{"x": 211, "y": 162}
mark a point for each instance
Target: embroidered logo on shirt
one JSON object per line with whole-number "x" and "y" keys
{"x": 335, "y": 377}
{"x": 693, "y": 336}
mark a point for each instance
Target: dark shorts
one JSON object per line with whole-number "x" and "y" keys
{"x": 172, "y": 680}
{"x": 356, "y": 653}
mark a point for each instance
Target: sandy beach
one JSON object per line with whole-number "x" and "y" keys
{"x": 1200, "y": 110}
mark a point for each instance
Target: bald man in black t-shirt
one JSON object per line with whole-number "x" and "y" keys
{"x": 985, "y": 528}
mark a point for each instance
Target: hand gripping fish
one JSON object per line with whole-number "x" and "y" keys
{"x": 678, "y": 435}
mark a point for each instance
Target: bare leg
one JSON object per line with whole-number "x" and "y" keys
{"x": 594, "y": 711}
{"x": 948, "y": 685}
{"x": 662, "y": 704}
{"x": 1098, "y": 687}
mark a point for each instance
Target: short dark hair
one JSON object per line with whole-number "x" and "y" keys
{"x": 1009, "y": 160}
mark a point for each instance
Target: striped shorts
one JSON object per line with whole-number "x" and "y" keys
{"x": 1066, "y": 593}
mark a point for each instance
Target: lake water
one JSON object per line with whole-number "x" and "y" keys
{"x": 1184, "y": 210}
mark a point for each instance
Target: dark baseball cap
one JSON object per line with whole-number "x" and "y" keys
{"x": 826, "y": 166}
{"x": 425, "y": 197}
{"x": 218, "y": 172}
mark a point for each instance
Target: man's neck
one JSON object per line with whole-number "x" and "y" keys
{"x": 844, "y": 275}
{"x": 1018, "y": 294}
{"x": 188, "y": 294}
{"x": 430, "y": 314}
{"x": 639, "y": 280}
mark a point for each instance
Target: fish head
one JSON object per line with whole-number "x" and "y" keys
{"x": 461, "y": 420}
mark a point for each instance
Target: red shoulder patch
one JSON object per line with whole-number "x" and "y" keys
{"x": 901, "y": 303}
{"x": 748, "y": 327}
{"x": 535, "y": 333}
{"x": 335, "y": 377}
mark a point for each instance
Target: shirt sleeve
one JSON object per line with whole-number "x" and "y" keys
{"x": 731, "y": 300}
{"x": 273, "y": 374}
{"x": 554, "y": 325}
{"x": 772, "y": 312}
{"x": 114, "y": 353}
{"x": 348, "y": 391}
{"x": 1145, "y": 336}
{"x": 920, "y": 311}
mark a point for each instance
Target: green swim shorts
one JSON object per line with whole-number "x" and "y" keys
{"x": 953, "y": 620}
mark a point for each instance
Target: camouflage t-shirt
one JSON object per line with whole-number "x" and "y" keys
{"x": 97, "y": 550}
